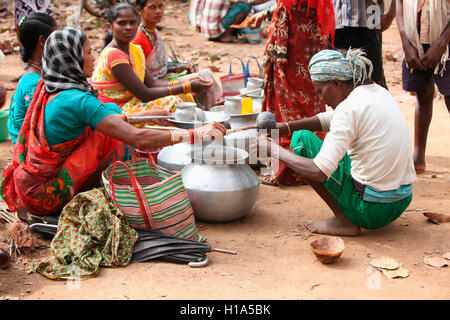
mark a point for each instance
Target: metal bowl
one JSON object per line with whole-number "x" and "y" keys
{"x": 176, "y": 157}
{"x": 237, "y": 120}
{"x": 209, "y": 117}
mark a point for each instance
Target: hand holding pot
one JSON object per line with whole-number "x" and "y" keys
{"x": 200, "y": 84}
{"x": 211, "y": 131}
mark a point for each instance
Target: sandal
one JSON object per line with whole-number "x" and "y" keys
{"x": 269, "y": 180}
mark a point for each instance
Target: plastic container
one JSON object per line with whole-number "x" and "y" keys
{"x": 247, "y": 106}
{"x": 4, "y": 134}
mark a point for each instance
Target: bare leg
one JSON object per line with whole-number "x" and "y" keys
{"x": 339, "y": 225}
{"x": 226, "y": 37}
{"x": 422, "y": 120}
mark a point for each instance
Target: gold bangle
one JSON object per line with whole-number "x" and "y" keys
{"x": 174, "y": 82}
{"x": 289, "y": 128}
{"x": 170, "y": 91}
{"x": 189, "y": 86}
{"x": 172, "y": 139}
{"x": 186, "y": 87}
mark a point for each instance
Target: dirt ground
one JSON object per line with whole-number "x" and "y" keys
{"x": 274, "y": 259}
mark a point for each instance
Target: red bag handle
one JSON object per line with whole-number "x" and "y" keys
{"x": 150, "y": 157}
{"x": 140, "y": 196}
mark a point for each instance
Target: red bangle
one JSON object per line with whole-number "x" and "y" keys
{"x": 192, "y": 134}
{"x": 124, "y": 117}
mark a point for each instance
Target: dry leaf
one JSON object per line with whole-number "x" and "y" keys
{"x": 214, "y": 68}
{"x": 243, "y": 24}
{"x": 435, "y": 262}
{"x": 437, "y": 217}
{"x": 397, "y": 273}
{"x": 447, "y": 256}
{"x": 385, "y": 263}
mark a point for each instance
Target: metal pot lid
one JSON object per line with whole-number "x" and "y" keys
{"x": 216, "y": 154}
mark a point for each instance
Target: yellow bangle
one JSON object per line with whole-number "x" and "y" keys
{"x": 174, "y": 82}
{"x": 189, "y": 86}
{"x": 170, "y": 91}
{"x": 186, "y": 87}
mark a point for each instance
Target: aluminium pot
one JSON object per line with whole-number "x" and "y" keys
{"x": 220, "y": 185}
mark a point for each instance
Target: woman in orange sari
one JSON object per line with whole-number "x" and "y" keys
{"x": 150, "y": 40}
{"x": 299, "y": 29}
{"x": 68, "y": 136}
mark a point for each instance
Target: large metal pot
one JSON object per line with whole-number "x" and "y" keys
{"x": 221, "y": 187}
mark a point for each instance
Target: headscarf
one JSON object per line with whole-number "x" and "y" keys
{"x": 62, "y": 61}
{"x": 331, "y": 64}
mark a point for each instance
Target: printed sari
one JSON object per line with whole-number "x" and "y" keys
{"x": 111, "y": 90}
{"x": 157, "y": 63}
{"x": 42, "y": 178}
{"x": 299, "y": 29}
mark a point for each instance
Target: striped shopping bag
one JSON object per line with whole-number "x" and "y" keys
{"x": 151, "y": 197}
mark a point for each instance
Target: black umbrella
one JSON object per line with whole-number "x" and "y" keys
{"x": 155, "y": 245}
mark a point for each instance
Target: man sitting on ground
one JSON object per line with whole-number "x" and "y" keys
{"x": 363, "y": 170}
{"x": 214, "y": 17}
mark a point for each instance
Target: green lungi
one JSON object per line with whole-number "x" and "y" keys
{"x": 365, "y": 214}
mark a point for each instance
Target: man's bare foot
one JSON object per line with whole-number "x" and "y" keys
{"x": 334, "y": 226}
{"x": 419, "y": 161}
{"x": 420, "y": 167}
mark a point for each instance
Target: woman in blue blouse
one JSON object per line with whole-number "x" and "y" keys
{"x": 69, "y": 137}
{"x": 33, "y": 31}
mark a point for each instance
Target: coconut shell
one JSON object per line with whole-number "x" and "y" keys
{"x": 5, "y": 259}
{"x": 328, "y": 249}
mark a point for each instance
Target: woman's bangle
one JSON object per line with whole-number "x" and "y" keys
{"x": 172, "y": 139}
{"x": 170, "y": 91}
{"x": 174, "y": 82}
{"x": 186, "y": 87}
{"x": 124, "y": 117}
{"x": 288, "y": 127}
{"x": 192, "y": 135}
